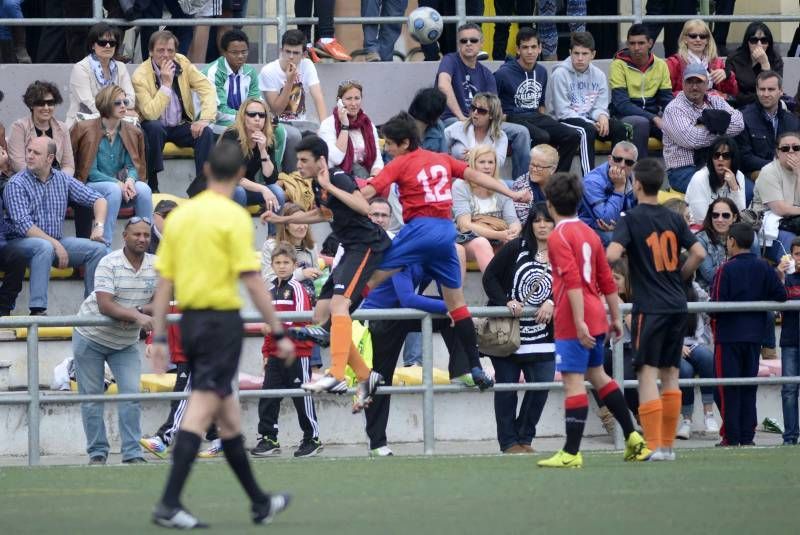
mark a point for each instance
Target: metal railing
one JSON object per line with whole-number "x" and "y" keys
{"x": 34, "y": 399}
{"x": 282, "y": 20}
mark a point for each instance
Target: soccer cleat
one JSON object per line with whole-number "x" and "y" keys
{"x": 334, "y": 49}
{"x": 712, "y": 426}
{"x": 465, "y": 380}
{"x": 215, "y": 450}
{"x": 266, "y": 447}
{"x": 175, "y": 518}
{"x": 312, "y": 53}
{"x": 308, "y": 448}
{"x": 482, "y": 379}
{"x": 154, "y": 445}
{"x": 609, "y": 423}
{"x": 314, "y": 333}
{"x": 326, "y": 383}
{"x": 562, "y": 459}
{"x": 636, "y": 449}
{"x": 365, "y": 390}
{"x": 662, "y": 454}
{"x": 382, "y": 451}
{"x": 684, "y": 430}
{"x": 264, "y": 513}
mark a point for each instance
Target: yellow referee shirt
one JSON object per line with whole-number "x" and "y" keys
{"x": 207, "y": 243}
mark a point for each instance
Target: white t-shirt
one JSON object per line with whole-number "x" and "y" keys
{"x": 272, "y": 78}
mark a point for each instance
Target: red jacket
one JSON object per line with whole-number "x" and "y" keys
{"x": 176, "y": 355}
{"x": 728, "y": 87}
{"x": 289, "y": 296}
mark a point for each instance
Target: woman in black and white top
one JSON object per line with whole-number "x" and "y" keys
{"x": 520, "y": 275}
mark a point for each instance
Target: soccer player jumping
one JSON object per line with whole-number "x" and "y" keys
{"x": 580, "y": 268}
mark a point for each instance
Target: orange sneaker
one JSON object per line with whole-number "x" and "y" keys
{"x": 334, "y": 49}
{"x": 312, "y": 54}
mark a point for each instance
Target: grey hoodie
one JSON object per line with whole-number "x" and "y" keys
{"x": 572, "y": 94}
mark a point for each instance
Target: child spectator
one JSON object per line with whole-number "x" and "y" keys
{"x": 738, "y": 337}
{"x": 790, "y": 351}
{"x": 287, "y": 295}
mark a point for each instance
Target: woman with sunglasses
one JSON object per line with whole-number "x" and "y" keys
{"x": 720, "y": 177}
{"x": 41, "y": 98}
{"x": 262, "y": 149}
{"x": 721, "y": 214}
{"x": 756, "y": 54}
{"x": 351, "y": 137}
{"x": 696, "y": 45}
{"x": 98, "y": 70}
{"x": 110, "y": 158}
{"x": 482, "y": 127}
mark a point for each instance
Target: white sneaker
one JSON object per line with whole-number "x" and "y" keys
{"x": 684, "y": 430}
{"x": 712, "y": 427}
{"x": 383, "y": 451}
{"x": 327, "y": 383}
{"x": 668, "y": 454}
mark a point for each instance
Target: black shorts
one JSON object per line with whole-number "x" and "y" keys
{"x": 657, "y": 339}
{"x": 212, "y": 342}
{"x": 351, "y": 273}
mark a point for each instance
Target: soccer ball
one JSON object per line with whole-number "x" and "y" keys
{"x": 425, "y": 25}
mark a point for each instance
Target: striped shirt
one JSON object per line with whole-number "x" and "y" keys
{"x": 219, "y": 74}
{"x": 115, "y": 275}
{"x": 29, "y": 202}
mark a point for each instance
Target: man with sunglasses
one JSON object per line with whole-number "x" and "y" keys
{"x": 608, "y": 191}
{"x": 125, "y": 281}
{"x": 764, "y": 120}
{"x": 461, "y": 76}
{"x": 691, "y": 123}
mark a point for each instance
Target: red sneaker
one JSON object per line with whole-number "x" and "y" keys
{"x": 312, "y": 54}
{"x": 334, "y": 49}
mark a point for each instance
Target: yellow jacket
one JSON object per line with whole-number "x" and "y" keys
{"x": 151, "y": 102}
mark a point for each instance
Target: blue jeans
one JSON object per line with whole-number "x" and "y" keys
{"x": 381, "y": 39}
{"x": 246, "y": 198}
{"x": 126, "y": 367}
{"x": 547, "y": 30}
{"x": 519, "y": 139}
{"x": 142, "y": 203}
{"x": 679, "y": 177}
{"x": 790, "y": 367}
{"x": 700, "y": 362}
{"x": 156, "y": 135}
{"x": 412, "y": 351}
{"x": 512, "y": 427}
{"x": 9, "y": 9}
{"x": 40, "y": 256}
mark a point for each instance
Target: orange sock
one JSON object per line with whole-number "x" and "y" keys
{"x": 650, "y": 415}
{"x": 671, "y": 404}
{"x": 341, "y": 340}
{"x": 356, "y": 361}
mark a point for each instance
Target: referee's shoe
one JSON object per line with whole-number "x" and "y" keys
{"x": 265, "y": 513}
{"x": 177, "y": 518}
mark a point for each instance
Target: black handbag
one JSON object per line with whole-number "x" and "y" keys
{"x": 790, "y": 224}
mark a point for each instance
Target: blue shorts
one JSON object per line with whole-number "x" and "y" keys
{"x": 572, "y": 357}
{"x": 431, "y": 242}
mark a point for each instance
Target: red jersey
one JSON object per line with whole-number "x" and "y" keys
{"x": 424, "y": 179}
{"x": 289, "y": 296}
{"x": 176, "y": 355}
{"x": 579, "y": 261}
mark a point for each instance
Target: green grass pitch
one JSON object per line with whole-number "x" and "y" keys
{"x": 705, "y": 491}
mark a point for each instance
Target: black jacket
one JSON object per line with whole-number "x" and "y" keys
{"x": 757, "y": 140}
{"x": 741, "y": 64}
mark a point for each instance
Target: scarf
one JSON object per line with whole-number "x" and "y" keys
{"x": 363, "y": 124}
{"x": 97, "y": 68}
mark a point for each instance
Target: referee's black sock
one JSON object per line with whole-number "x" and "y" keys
{"x": 464, "y": 329}
{"x": 184, "y": 453}
{"x": 614, "y": 399}
{"x": 237, "y": 459}
{"x": 576, "y": 408}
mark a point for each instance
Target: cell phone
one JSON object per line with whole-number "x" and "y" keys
{"x": 340, "y": 104}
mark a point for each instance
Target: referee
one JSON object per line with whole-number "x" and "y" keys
{"x": 206, "y": 248}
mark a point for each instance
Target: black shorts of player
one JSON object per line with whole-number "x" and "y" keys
{"x": 351, "y": 273}
{"x": 657, "y": 339}
{"x": 212, "y": 342}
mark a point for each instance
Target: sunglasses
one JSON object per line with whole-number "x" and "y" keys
{"x": 537, "y": 167}
{"x": 722, "y": 155}
{"x": 756, "y": 40}
{"x": 479, "y": 111}
{"x": 721, "y": 215}
{"x": 106, "y": 42}
{"x": 620, "y": 159}
{"x": 259, "y": 114}
{"x": 702, "y": 36}
{"x": 126, "y": 102}
{"x": 465, "y": 40}
{"x": 47, "y": 102}
{"x": 789, "y": 148}
{"x": 137, "y": 219}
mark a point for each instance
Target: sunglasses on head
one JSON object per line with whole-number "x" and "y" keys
{"x": 723, "y": 215}
{"x": 137, "y": 219}
{"x": 46, "y": 102}
{"x": 789, "y": 148}
{"x": 703, "y": 36}
{"x": 479, "y": 111}
{"x": 620, "y": 159}
{"x": 755, "y": 40}
{"x": 465, "y": 40}
{"x": 121, "y": 102}
{"x": 722, "y": 155}
{"x": 106, "y": 42}
{"x": 259, "y": 114}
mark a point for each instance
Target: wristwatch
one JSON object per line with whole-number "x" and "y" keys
{"x": 97, "y": 224}
{"x": 140, "y": 310}
{"x": 345, "y": 127}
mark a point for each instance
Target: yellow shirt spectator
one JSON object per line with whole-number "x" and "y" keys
{"x": 219, "y": 253}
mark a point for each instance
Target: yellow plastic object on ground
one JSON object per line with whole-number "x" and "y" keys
{"x": 150, "y": 382}
{"x": 46, "y": 333}
{"x": 412, "y": 376}
{"x": 173, "y": 152}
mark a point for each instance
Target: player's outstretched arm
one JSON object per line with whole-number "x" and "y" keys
{"x": 491, "y": 183}
{"x": 161, "y": 299}
{"x": 263, "y": 302}
{"x": 696, "y": 255}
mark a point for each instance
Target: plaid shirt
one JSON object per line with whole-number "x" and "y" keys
{"x": 30, "y": 202}
{"x": 681, "y": 133}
